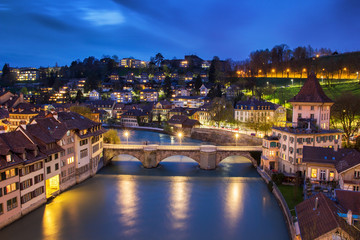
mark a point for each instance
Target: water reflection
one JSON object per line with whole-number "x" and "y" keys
{"x": 127, "y": 202}
{"x": 179, "y": 202}
{"x": 50, "y": 224}
{"x": 234, "y": 205}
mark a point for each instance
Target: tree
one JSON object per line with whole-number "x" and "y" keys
{"x": 198, "y": 83}
{"x": 79, "y": 96}
{"x": 24, "y": 90}
{"x": 213, "y": 70}
{"x": 82, "y": 110}
{"x": 158, "y": 59}
{"x": 111, "y": 136}
{"x": 8, "y": 78}
{"x": 346, "y": 111}
{"x": 221, "y": 111}
{"x": 167, "y": 86}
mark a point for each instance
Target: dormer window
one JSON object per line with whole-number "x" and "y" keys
{"x": 8, "y": 158}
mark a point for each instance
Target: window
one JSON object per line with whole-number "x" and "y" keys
{"x": 25, "y": 184}
{"x": 331, "y": 175}
{"x": 70, "y": 150}
{"x": 84, "y": 153}
{"x": 313, "y": 173}
{"x": 1, "y": 209}
{"x": 38, "y": 166}
{"x": 11, "y": 187}
{"x": 24, "y": 171}
{"x": 56, "y": 166}
{"x": 356, "y": 188}
{"x": 8, "y": 158}
{"x": 83, "y": 142}
{"x": 300, "y": 107}
{"x": 299, "y": 115}
{"x": 322, "y": 175}
{"x": 312, "y": 116}
{"x": 38, "y": 178}
{"x": 48, "y": 170}
{"x": 10, "y": 173}
{"x": 26, "y": 198}
{"x": 357, "y": 174}
{"x": 12, "y": 203}
{"x": 70, "y": 160}
{"x": 95, "y": 148}
{"x": 63, "y": 174}
{"x": 312, "y": 108}
{"x": 38, "y": 191}
{"x": 56, "y": 156}
{"x": 62, "y": 153}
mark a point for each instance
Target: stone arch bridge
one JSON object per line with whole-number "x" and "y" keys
{"x": 208, "y": 156}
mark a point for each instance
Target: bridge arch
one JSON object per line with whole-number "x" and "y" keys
{"x": 221, "y": 155}
{"x": 163, "y": 154}
{"x": 183, "y": 159}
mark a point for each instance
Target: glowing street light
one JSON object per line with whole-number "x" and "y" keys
{"x": 236, "y": 138}
{"x": 292, "y": 82}
{"x": 126, "y": 134}
{"x": 180, "y": 135}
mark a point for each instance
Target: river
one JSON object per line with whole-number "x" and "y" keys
{"x": 177, "y": 200}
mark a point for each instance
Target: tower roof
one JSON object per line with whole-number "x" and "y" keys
{"x": 311, "y": 91}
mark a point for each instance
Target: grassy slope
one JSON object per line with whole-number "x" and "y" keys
{"x": 292, "y": 198}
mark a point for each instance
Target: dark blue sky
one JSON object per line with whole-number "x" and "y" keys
{"x": 43, "y": 32}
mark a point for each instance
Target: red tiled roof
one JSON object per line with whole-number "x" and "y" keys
{"x": 349, "y": 200}
{"x": 314, "y": 223}
{"x": 311, "y": 91}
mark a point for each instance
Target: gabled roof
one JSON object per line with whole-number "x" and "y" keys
{"x": 311, "y": 91}
{"x": 320, "y": 155}
{"x": 349, "y": 159}
{"x": 314, "y": 223}
{"x": 349, "y": 200}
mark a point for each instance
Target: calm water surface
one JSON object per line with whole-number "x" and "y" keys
{"x": 177, "y": 200}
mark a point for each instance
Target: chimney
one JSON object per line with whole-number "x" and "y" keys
{"x": 349, "y": 217}
{"x": 316, "y": 203}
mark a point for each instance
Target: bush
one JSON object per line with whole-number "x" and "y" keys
{"x": 278, "y": 178}
{"x": 111, "y": 136}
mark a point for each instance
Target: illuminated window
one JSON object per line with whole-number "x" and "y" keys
{"x": 11, "y": 187}
{"x": 331, "y": 175}
{"x": 70, "y": 160}
{"x": 314, "y": 173}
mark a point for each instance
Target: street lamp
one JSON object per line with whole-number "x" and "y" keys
{"x": 292, "y": 82}
{"x": 180, "y": 135}
{"x": 126, "y": 134}
{"x": 236, "y": 138}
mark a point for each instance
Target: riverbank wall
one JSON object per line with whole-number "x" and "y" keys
{"x": 220, "y": 137}
{"x": 282, "y": 203}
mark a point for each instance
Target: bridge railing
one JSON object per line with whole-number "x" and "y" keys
{"x": 183, "y": 147}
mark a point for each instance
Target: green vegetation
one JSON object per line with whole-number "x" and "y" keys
{"x": 112, "y": 137}
{"x": 292, "y": 194}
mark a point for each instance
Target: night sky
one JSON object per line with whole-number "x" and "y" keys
{"x": 42, "y": 32}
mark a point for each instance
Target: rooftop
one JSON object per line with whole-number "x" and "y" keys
{"x": 311, "y": 91}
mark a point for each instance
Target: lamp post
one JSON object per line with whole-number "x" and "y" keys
{"x": 236, "y": 138}
{"x": 180, "y": 136}
{"x": 292, "y": 82}
{"x": 126, "y": 134}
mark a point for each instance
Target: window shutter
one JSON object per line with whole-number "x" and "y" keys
{"x": 21, "y": 186}
{"x": 3, "y": 176}
{"x": 5, "y": 192}
{"x": 17, "y": 185}
{"x": 16, "y": 171}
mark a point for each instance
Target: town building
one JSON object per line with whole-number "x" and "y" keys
{"x": 202, "y": 114}
{"x": 28, "y": 74}
{"x": 148, "y": 95}
{"x": 181, "y": 123}
{"x": 204, "y": 89}
{"x": 22, "y": 114}
{"x": 134, "y": 118}
{"x": 161, "y": 111}
{"x": 94, "y": 95}
{"x": 320, "y": 218}
{"x": 254, "y": 110}
{"x": 121, "y": 96}
{"x": 310, "y": 128}
{"x": 189, "y": 101}
{"x": 88, "y": 143}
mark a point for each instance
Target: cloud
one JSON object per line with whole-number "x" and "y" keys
{"x": 102, "y": 17}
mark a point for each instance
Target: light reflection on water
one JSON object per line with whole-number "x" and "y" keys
{"x": 179, "y": 202}
{"x": 175, "y": 201}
